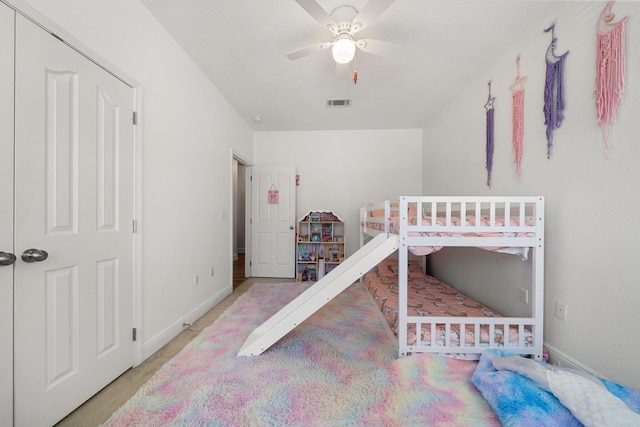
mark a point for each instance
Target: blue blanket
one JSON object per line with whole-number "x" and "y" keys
{"x": 517, "y": 401}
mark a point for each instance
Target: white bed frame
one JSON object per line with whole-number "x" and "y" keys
{"x": 415, "y": 235}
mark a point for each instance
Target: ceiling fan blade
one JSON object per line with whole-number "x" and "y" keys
{"x": 318, "y": 13}
{"x": 369, "y": 13}
{"x": 378, "y": 47}
{"x": 309, "y": 50}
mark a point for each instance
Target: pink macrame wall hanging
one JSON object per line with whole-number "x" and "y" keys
{"x": 489, "y": 146}
{"x": 553, "y": 89}
{"x": 610, "y": 63}
{"x": 517, "y": 94}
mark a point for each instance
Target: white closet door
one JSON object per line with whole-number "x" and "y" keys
{"x": 6, "y": 211}
{"x": 74, "y": 200}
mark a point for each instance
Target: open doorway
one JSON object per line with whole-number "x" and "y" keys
{"x": 239, "y": 171}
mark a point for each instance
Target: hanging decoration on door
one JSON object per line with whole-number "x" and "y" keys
{"x": 489, "y": 146}
{"x": 517, "y": 90}
{"x": 553, "y": 89}
{"x": 273, "y": 196}
{"x": 610, "y": 62}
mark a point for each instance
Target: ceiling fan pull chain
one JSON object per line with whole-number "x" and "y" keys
{"x": 355, "y": 70}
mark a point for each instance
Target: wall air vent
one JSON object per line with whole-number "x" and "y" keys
{"x": 342, "y": 102}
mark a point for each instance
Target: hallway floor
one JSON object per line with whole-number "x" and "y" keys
{"x": 238, "y": 270}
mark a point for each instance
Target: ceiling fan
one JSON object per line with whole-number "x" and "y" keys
{"x": 343, "y": 23}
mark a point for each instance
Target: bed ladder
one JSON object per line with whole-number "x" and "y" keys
{"x": 323, "y": 291}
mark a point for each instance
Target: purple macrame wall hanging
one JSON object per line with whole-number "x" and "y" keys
{"x": 489, "y": 108}
{"x": 517, "y": 91}
{"x": 553, "y": 89}
{"x": 610, "y": 63}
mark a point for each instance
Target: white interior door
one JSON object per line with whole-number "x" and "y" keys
{"x": 74, "y": 200}
{"x": 273, "y": 224}
{"x": 6, "y": 212}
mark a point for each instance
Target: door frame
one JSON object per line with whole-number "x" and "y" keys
{"x": 40, "y": 20}
{"x": 7, "y": 211}
{"x": 247, "y": 214}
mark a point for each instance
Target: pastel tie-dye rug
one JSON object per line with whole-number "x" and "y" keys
{"x": 338, "y": 368}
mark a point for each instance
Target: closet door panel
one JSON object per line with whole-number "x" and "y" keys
{"x": 74, "y": 200}
{"x": 6, "y": 210}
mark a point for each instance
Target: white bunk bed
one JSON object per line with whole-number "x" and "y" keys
{"x": 425, "y": 224}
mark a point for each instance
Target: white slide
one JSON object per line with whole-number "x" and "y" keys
{"x": 314, "y": 298}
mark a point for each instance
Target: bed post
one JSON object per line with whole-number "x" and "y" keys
{"x": 538, "y": 279}
{"x": 387, "y": 216}
{"x": 363, "y": 225}
{"x": 403, "y": 260}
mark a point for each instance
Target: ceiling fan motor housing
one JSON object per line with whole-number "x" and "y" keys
{"x": 343, "y": 46}
{"x": 343, "y": 16}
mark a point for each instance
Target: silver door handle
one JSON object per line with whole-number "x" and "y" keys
{"x": 7, "y": 258}
{"x": 33, "y": 255}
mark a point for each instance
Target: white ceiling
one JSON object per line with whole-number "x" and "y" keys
{"x": 242, "y": 45}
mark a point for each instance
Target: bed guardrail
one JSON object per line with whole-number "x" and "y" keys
{"x": 375, "y": 218}
{"x": 445, "y": 334}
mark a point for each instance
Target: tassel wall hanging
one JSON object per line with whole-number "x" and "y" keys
{"x": 517, "y": 91}
{"x": 553, "y": 89}
{"x": 489, "y": 148}
{"x": 610, "y": 63}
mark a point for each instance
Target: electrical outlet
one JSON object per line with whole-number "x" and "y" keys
{"x": 561, "y": 310}
{"x": 524, "y": 295}
{"x": 196, "y": 279}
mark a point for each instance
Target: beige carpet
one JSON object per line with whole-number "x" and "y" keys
{"x": 99, "y": 408}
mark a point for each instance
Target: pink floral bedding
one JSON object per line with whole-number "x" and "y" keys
{"x": 484, "y": 221}
{"x": 428, "y": 296}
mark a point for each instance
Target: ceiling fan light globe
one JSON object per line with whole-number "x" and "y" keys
{"x": 343, "y": 51}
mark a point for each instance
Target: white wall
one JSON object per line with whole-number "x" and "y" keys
{"x": 592, "y": 246}
{"x": 188, "y": 133}
{"x": 343, "y": 170}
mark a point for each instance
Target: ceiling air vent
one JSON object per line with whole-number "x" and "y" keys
{"x": 342, "y": 102}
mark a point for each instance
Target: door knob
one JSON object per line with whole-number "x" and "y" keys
{"x": 7, "y": 258}
{"x": 33, "y": 255}
{"x": 291, "y": 227}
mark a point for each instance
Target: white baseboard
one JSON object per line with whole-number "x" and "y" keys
{"x": 155, "y": 343}
{"x": 556, "y": 357}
